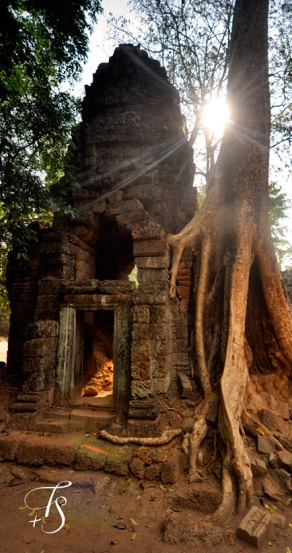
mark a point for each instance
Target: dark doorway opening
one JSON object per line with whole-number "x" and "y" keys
{"x": 98, "y": 354}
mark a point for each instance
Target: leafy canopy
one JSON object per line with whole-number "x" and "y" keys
{"x": 43, "y": 43}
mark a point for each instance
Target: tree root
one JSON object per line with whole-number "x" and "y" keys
{"x": 268, "y": 433}
{"x": 197, "y": 436}
{"x": 165, "y": 438}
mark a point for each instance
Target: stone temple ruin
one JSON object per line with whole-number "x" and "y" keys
{"x": 83, "y": 337}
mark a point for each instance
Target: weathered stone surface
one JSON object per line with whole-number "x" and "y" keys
{"x": 92, "y": 420}
{"x": 125, "y": 219}
{"x": 144, "y": 428}
{"x": 258, "y": 466}
{"x": 123, "y": 206}
{"x": 188, "y": 425}
{"x": 184, "y": 385}
{"x": 141, "y": 389}
{"x": 58, "y": 426}
{"x": 43, "y": 329}
{"x": 265, "y": 445}
{"x": 270, "y": 400}
{"x": 137, "y": 467}
{"x": 40, "y": 347}
{"x": 283, "y": 410}
{"x": 119, "y": 468}
{"x": 8, "y": 448}
{"x": 152, "y": 331}
{"x": 286, "y": 443}
{"x": 213, "y": 410}
{"x": 141, "y": 314}
{"x": 81, "y": 264}
{"x": 31, "y": 454}
{"x": 151, "y": 298}
{"x": 279, "y": 487}
{"x": 254, "y": 526}
{"x": 201, "y": 499}
{"x": 269, "y": 419}
{"x": 116, "y": 286}
{"x": 285, "y": 460}
{"x": 180, "y": 359}
{"x": 190, "y": 403}
{"x": 146, "y": 230}
{"x": 83, "y": 461}
{"x": 151, "y": 248}
{"x": 278, "y": 520}
{"x": 181, "y": 529}
{"x": 84, "y": 287}
{"x": 152, "y": 275}
{"x": 153, "y": 262}
{"x": 152, "y": 472}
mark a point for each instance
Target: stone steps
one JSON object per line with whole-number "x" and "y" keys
{"x": 60, "y": 420}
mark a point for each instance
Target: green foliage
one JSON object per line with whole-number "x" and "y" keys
{"x": 4, "y": 302}
{"x": 191, "y": 39}
{"x": 278, "y": 207}
{"x": 42, "y": 44}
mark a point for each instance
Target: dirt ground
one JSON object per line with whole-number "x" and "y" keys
{"x": 107, "y": 513}
{"x": 123, "y": 514}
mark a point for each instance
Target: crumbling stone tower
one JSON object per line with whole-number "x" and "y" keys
{"x": 73, "y": 307}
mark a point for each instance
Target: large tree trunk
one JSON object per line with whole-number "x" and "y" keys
{"x": 242, "y": 325}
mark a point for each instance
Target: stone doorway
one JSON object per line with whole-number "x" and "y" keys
{"x": 97, "y": 362}
{"x": 94, "y": 353}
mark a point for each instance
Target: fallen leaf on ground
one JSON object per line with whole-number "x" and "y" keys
{"x": 133, "y": 536}
{"x": 123, "y": 489}
{"x": 77, "y": 491}
{"x": 54, "y": 470}
{"x": 269, "y": 508}
{"x": 43, "y": 520}
{"x": 102, "y": 506}
{"x": 142, "y": 448}
{"x": 129, "y": 481}
{"x": 31, "y": 513}
{"x": 260, "y": 430}
{"x": 133, "y": 522}
{"x": 21, "y": 508}
{"x": 110, "y": 495}
{"x": 66, "y": 526}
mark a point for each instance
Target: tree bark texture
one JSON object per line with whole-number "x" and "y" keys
{"x": 242, "y": 325}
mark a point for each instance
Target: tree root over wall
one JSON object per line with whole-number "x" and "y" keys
{"x": 231, "y": 351}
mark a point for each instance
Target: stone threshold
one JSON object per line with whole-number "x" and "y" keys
{"x": 60, "y": 420}
{"x": 77, "y": 450}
